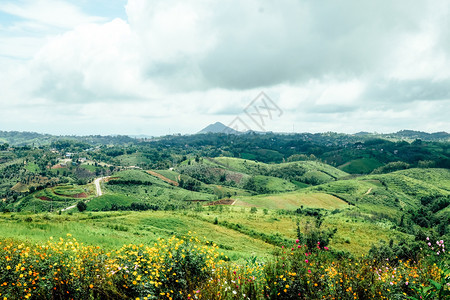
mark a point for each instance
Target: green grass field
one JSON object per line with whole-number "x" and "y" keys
{"x": 356, "y": 231}
{"x": 293, "y": 200}
{"x": 105, "y": 202}
{"x": 270, "y": 184}
{"x": 172, "y": 175}
{"x": 111, "y": 230}
{"x": 89, "y": 167}
{"x": 32, "y": 167}
{"x": 360, "y": 166}
{"x": 132, "y": 159}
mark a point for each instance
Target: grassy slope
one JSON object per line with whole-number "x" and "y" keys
{"x": 137, "y": 176}
{"x": 360, "y": 166}
{"x": 57, "y": 198}
{"x": 32, "y": 167}
{"x": 172, "y": 175}
{"x": 133, "y": 159}
{"x": 274, "y": 184}
{"x": 293, "y": 200}
{"x": 389, "y": 193}
{"x": 437, "y": 177}
{"x": 114, "y": 229}
{"x": 152, "y": 189}
{"x": 252, "y": 167}
{"x": 356, "y": 235}
{"x": 106, "y": 201}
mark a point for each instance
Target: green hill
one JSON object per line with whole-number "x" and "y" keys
{"x": 268, "y": 185}
{"x": 437, "y": 177}
{"x": 309, "y": 172}
{"x": 360, "y": 166}
{"x": 293, "y": 200}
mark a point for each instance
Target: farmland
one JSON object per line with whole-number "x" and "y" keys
{"x": 243, "y": 209}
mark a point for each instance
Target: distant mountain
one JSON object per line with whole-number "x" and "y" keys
{"x": 141, "y": 136}
{"x": 362, "y": 133}
{"x": 411, "y": 134}
{"x": 218, "y": 128}
{"x": 17, "y": 138}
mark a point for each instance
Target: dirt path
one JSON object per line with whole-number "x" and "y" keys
{"x": 98, "y": 188}
{"x": 69, "y": 207}
{"x": 222, "y": 202}
{"x": 98, "y": 191}
{"x": 367, "y": 193}
{"x": 163, "y": 178}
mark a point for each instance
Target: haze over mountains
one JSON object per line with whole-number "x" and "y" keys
{"x": 219, "y": 127}
{"x": 36, "y": 139}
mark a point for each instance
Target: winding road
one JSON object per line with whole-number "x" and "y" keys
{"x": 98, "y": 191}
{"x": 98, "y": 188}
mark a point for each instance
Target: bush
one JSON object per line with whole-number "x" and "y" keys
{"x": 81, "y": 206}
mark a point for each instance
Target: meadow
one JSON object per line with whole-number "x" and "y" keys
{"x": 194, "y": 268}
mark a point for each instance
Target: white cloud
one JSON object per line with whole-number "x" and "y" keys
{"x": 49, "y": 12}
{"x": 90, "y": 63}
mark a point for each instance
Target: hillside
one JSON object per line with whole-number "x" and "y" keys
{"x": 308, "y": 172}
{"x": 357, "y": 190}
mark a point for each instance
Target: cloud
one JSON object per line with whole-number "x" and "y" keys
{"x": 90, "y": 63}
{"x": 188, "y": 46}
{"x": 52, "y": 13}
{"x": 408, "y": 90}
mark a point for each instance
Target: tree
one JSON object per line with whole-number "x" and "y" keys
{"x": 81, "y": 206}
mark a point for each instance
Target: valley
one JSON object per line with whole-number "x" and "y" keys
{"x": 353, "y": 195}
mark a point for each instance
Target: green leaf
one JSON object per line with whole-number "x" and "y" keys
{"x": 436, "y": 285}
{"x": 426, "y": 289}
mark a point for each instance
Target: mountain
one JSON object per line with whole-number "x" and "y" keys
{"x": 411, "y": 134}
{"x": 218, "y": 128}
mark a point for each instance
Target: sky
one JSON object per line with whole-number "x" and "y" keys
{"x": 162, "y": 67}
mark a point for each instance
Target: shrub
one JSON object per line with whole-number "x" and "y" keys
{"x": 81, "y": 206}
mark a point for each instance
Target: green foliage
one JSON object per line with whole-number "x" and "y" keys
{"x": 132, "y": 177}
{"x": 391, "y": 167}
{"x": 81, "y": 206}
{"x": 435, "y": 289}
{"x": 403, "y": 250}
